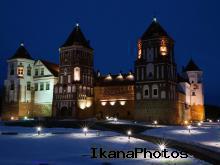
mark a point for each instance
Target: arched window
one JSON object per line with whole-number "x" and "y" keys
{"x": 155, "y": 90}
{"x": 76, "y": 74}
{"x": 146, "y": 92}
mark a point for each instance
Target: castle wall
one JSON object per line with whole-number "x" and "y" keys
{"x": 163, "y": 111}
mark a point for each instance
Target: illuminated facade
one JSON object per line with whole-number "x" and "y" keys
{"x": 29, "y": 86}
{"x": 155, "y": 83}
{"x": 73, "y": 94}
{"x": 154, "y": 91}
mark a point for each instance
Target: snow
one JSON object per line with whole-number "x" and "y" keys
{"x": 71, "y": 146}
{"x": 206, "y": 135}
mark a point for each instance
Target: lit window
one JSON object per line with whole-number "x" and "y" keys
{"x": 20, "y": 70}
{"x": 163, "y": 48}
{"x": 28, "y": 86}
{"x": 139, "y": 49}
{"x": 76, "y": 74}
{"x": 47, "y": 86}
{"x": 41, "y": 86}
{"x": 36, "y": 86}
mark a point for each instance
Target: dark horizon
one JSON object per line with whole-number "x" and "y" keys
{"x": 113, "y": 28}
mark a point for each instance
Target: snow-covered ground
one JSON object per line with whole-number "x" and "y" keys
{"x": 207, "y": 135}
{"x": 71, "y": 146}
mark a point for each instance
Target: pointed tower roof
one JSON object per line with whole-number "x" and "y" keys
{"x": 21, "y": 52}
{"x": 154, "y": 30}
{"x": 76, "y": 37}
{"x": 191, "y": 66}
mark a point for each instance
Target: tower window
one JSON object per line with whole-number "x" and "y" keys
{"x": 28, "y": 86}
{"x": 20, "y": 70}
{"x": 163, "y": 48}
{"x": 76, "y": 74}
{"x": 12, "y": 69}
{"x": 29, "y": 70}
{"x": 139, "y": 49}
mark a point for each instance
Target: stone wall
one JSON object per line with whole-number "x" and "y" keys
{"x": 163, "y": 111}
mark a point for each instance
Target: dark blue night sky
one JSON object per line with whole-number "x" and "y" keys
{"x": 113, "y": 28}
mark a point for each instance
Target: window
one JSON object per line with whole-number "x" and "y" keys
{"x": 163, "y": 94}
{"x": 20, "y": 71}
{"x": 41, "y": 86}
{"x": 12, "y": 70}
{"x": 28, "y": 86}
{"x": 29, "y": 70}
{"x": 69, "y": 78}
{"x": 146, "y": 92}
{"x": 60, "y": 90}
{"x": 47, "y": 86}
{"x": 56, "y": 90}
{"x": 76, "y": 74}
{"x": 193, "y": 93}
{"x": 61, "y": 79}
{"x": 12, "y": 87}
{"x": 36, "y": 86}
{"x": 155, "y": 92}
{"x": 150, "y": 75}
{"x": 42, "y": 72}
{"x": 36, "y": 72}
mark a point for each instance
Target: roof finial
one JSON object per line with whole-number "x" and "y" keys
{"x": 154, "y": 19}
{"x": 21, "y": 44}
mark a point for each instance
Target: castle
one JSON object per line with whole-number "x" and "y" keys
{"x": 153, "y": 91}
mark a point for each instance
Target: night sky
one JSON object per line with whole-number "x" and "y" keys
{"x": 113, "y": 28}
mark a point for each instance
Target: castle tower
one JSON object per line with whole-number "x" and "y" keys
{"x": 19, "y": 84}
{"x": 196, "y": 97}
{"x": 156, "y": 76}
{"x": 73, "y": 94}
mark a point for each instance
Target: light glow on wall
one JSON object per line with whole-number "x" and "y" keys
{"x": 122, "y": 102}
{"x": 112, "y": 103}
{"x": 82, "y": 104}
{"x": 130, "y": 76}
{"x": 103, "y": 103}
{"x": 108, "y": 77}
{"x": 119, "y": 77}
{"x": 88, "y": 102}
